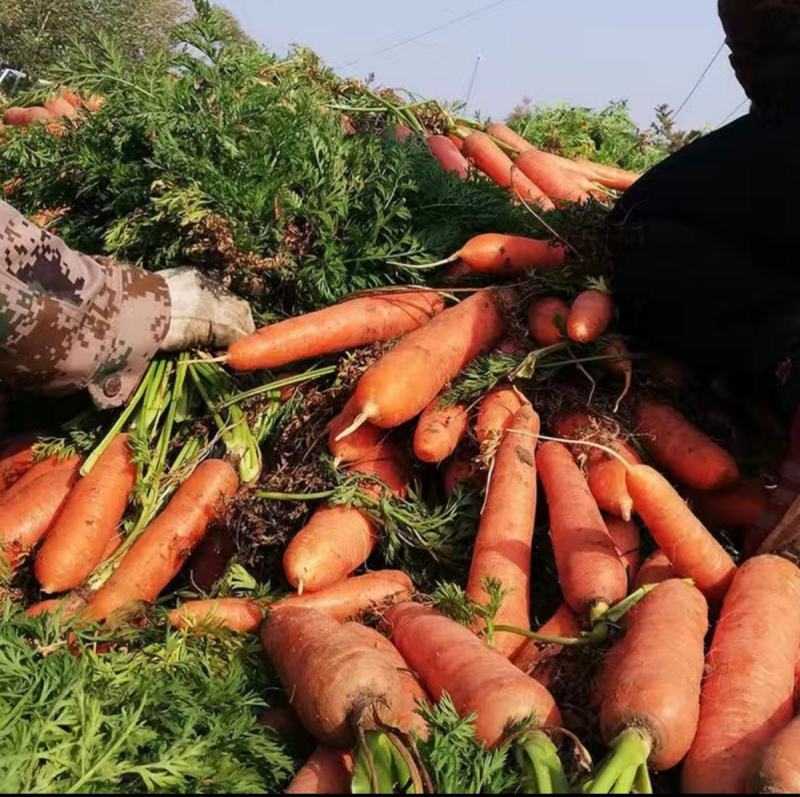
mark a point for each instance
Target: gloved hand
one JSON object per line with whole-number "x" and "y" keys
{"x": 202, "y": 313}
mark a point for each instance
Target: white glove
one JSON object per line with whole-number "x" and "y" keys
{"x": 202, "y": 313}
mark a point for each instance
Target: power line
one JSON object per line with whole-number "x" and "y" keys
{"x": 700, "y": 80}
{"x": 472, "y": 80}
{"x": 734, "y": 111}
{"x": 435, "y": 29}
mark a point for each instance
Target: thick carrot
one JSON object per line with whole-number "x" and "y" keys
{"x": 449, "y": 155}
{"x": 336, "y": 680}
{"x": 533, "y": 654}
{"x": 655, "y": 569}
{"x": 88, "y": 521}
{"x": 589, "y": 568}
{"x": 497, "y": 410}
{"x": 748, "y": 690}
{"x": 449, "y": 658}
{"x": 546, "y": 172}
{"x": 589, "y": 316}
{"x": 408, "y": 719}
{"x": 163, "y": 547}
{"x": 41, "y": 468}
{"x": 236, "y": 614}
{"x": 626, "y": 537}
{"x": 679, "y": 447}
{"x": 439, "y": 430}
{"x": 358, "y": 322}
{"x": 327, "y": 771}
{"x": 408, "y": 377}
{"x": 358, "y": 445}
{"x": 681, "y": 536}
{"x": 503, "y": 547}
{"x": 547, "y": 320}
{"x": 29, "y": 514}
{"x": 734, "y": 507}
{"x": 649, "y": 689}
{"x": 16, "y": 457}
{"x": 778, "y": 769}
{"x": 497, "y": 166}
{"x": 16, "y": 116}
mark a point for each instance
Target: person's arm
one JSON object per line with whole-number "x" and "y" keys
{"x": 69, "y": 321}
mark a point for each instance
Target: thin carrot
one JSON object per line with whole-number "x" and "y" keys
{"x": 458, "y": 143}
{"x": 88, "y": 521}
{"x": 236, "y": 614}
{"x": 589, "y": 316}
{"x": 495, "y": 413}
{"x": 408, "y": 377}
{"x": 560, "y": 184}
{"x": 16, "y": 457}
{"x": 591, "y": 574}
{"x": 163, "y": 547}
{"x": 504, "y": 133}
{"x": 65, "y": 608}
{"x": 497, "y": 166}
{"x": 687, "y": 453}
{"x": 439, "y": 430}
{"x": 655, "y": 569}
{"x": 327, "y": 771}
{"x": 547, "y": 320}
{"x": 620, "y": 366}
{"x": 778, "y": 769}
{"x": 734, "y": 507}
{"x": 449, "y": 155}
{"x": 748, "y": 691}
{"x": 626, "y": 537}
{"x": 449, "y": 658}
{"x": 533, "y": 654}
{"x": 648, "y": 692}
{"x": 358, "y": 445}
{"x": 41, "y": 468}
{"x": 503, "y": 547}
{"x": 357, "y": 322}
{"x": 609, "y": 176}
{"x": 681, "y": 536}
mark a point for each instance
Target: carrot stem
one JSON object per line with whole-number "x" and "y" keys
{"x": 277, "y": 384}
{"x": 628, "y": 753}
{"x": 320, "y": 496}
{"x": 542, "y": 770}
{"x": 424, "y": 266}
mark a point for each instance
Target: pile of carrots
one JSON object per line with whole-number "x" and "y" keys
{"x": 699, "y": 652}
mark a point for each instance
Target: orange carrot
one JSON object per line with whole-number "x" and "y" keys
{"x": 327, "y": 771}
{"x": 457, "y": 142}
{"x": 589, "y": 569}
{"x": 449, "y": 658}
{"x": 649, "y": 690}
{"x": 28, "y": 515}
{"x": 439, "y": 430}
{"x": 626, "y": 537}
{"x": 682, "y": 449}
{"x": 500, "y": 255}
{"x": 408, "y": 377}
{"x": 547, "y": 320}
{"x": 496, "y": 411}
{"x": 16, "y": 457}
{"x": 66, "y": 607}
{"x": 359, "y": 444}
{"x": 503, "y": 547}
{"x": 39, "y": 115}
{"x": 590, "y": 315}
{"x": 620, "y": 365}
{"x": 748, "y": 691}
{"x": 160, "y": 552}
{"x": 681, "y": 536}
{"x": 59, "y": 107}
{"x": 655, "y": 569}
{"x": 532, "y": 655}
{"x": 609, "y": 176}
{"x": 449, "y": 155}
{"x": 16, "y": 116}
{"x": 236, "y": 614}
{"x": 560, "y": 184}
{"x": 284, "y": 722}
{"x": 504, "y": 133}
{"x": 737, "y": 506}
{"x": 88, "y": 521}
{"x": 778, "y": 769}
{"x": 41, "y": 468}
{"x": 357, "y": 322}
{"x": 497, "y": 166}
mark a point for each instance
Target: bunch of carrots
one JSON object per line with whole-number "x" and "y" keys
{"x": 698, "y": 653}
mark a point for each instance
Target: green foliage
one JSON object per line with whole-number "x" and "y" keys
{"x": 606, "y": 136}
{"x": 157, "y": 712}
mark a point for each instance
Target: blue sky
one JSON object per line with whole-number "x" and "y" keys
{"x": 584, "y": 52}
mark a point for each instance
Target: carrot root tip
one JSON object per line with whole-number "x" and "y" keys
{"x": 359, "y": 421}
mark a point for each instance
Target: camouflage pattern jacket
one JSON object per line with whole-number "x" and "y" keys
{"x": 68, "y": 321}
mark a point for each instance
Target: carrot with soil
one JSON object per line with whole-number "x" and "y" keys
{"x": 563, "y": 623}
{"x": 495, "y": 414}
{"x": 358, "y": 445}
{"x": 43, "y": 467}
{"x": 778, "y": 770}
{"x": 547, "y": 320}
{"x": 439, "y": 431}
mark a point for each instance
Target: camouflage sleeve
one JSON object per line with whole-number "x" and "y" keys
{"x": 69, "y": 321}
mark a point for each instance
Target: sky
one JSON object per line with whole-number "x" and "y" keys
{"x": 583, "y": 52}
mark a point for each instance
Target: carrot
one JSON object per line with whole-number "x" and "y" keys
{"x": 590, "y": 315}
{"x": 338, "y": 539}
{"x": 737, "y": 506}
{"x": 71, "y": 97}
{"x": 449, "y": 155}
{"x": 407, "y": 378}
{"x": 236, "y": 614}
{"x": 39, "y": 115}
{"x": 16, "y": 116}
{"x": 503, "y": 547}
{"x": 284, "y": 722}
{"x": 626, "y": 538}
{"x": 357, "y": 322}
{"x": 778, "y": 769}
{"x": 457, "y": 470}
{"x": 408, "y": 719}
{"x": 687, "y": 543}
{"x": 439, "y": 430}
{"x": 16, "y": 457}
{"x": 655, "y": 569}
{"x": 533, "y": 654}
{"x": 504, "y": 133}
{"x": 43, "y": 467}
{"x": 66, "y": 607}
{"x": 95, "y": 103}
{"x": 620, "y": 365}
{"x": 649, "y": 689}
{"x": 163, "y": 547}
{"x": 402, "y": 132}
{"x": 495, "y": 414}
{"x": 210, "y": 559}
{"x": 28, "y": 515}
{"x": 682, "y": 449}
{"x": 748, "y": 691}
{"x": 449, "y": 658}
{"x": 547, "y": 320}
{"x": 591, "y": 574}
{"x": 560, "y": 184}
{"x": 361, "y": 443}
{"x": 458, "y": 142}
{"x": 609, "y": 176}
{"x": 88, "y": 521}
{"x": 327, "y": 771}
{"x": 59, "y": 107}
